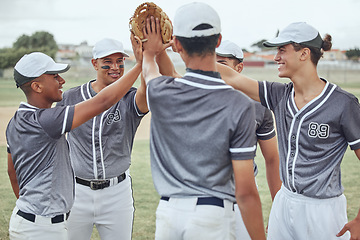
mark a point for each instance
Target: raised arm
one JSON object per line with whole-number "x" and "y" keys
{"x": 165, "y": 64}
{"x": 247, "y": 198}
{"x": 107, "y": 97}
{"x": 240, "y": 82}
{"x": 152, "y": 47}
{"x": 140, "y": 97}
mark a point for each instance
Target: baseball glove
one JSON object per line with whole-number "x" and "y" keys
{"x": 144, "y": 11}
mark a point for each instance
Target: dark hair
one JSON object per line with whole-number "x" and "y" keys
{"x": 199, "y": 45}
{"x": 316, "y": 53}
{"x": 26, "y": 88}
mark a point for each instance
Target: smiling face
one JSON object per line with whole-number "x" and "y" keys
{"x": 288, "y": 61}
{"x": 52, "y": 85}
{"x": 109, "y": 68}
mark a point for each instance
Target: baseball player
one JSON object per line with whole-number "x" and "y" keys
{"x": 230, "y": 54}
{"x": 39, "y": 165}
{"x": 100, "y": 150}
{"x": 201, "y": 147}
{"x": 316, "y": 121}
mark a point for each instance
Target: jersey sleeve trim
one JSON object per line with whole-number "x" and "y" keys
{"x": 265, "y": 134}
{"x": 243, "y": 150}
{"x": 266, "y": 95}
{"x": 138, "y": 112}
{"x": 147, "y": 98}
{"x": 65, "y": 120}
{"x": 354, "y": 142}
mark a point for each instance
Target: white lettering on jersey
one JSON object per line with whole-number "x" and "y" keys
{"x": 318, "y": 130}
{"x": 113, "y": 117}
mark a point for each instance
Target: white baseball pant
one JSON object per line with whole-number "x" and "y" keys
{"x": 110, "y": 209}
{"x": 41, "y": 229}
{"x": 294, "y": 216}
{"x": 182, "y": 218}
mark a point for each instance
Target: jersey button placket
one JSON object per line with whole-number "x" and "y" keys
{"x": 292, "y": 152}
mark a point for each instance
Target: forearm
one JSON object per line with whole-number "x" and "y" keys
{"x": 114, "y": 92}
{"x": 140, "y": 97}
{"x": 238, "y": 81}
{"x": 15, "y": 186}
{"x": 150, "y": 69}
{"x": 273, "y": 177}
{"x": 12, "y": 176}
{"x": 250, "y": 208}
{"x": 166, "y": 67}
{"x": 247, "y": 198}
{"x": 269, "y": 150}
{"x": 107, "y": 97}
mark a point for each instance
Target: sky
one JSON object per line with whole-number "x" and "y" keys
{"x": 243, "y": 21}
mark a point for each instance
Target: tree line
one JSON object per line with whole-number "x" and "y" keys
{"x": 38, "y": 42}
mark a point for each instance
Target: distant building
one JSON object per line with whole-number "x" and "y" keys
{"x": 335, "y": 55}
{"x": 75, "y": 54}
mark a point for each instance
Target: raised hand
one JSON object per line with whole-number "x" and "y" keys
{"x": 153, "y": 41}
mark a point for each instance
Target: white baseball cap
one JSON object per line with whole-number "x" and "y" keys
{"x": 229, "y": 49}
{"x": 196, "y": 20}
{"x": 298, "y": 32}
{"x": 106, "y": 47}
{"x": 33, "y": 65}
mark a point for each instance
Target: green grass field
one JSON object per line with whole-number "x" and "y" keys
{"x": 146, "y": 198}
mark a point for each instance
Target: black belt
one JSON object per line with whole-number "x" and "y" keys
{"x": 98, "y": 184}
{"x": 31, "y": 217}
{"x": 205, "y": 201}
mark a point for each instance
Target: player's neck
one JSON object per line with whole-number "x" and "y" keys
{"x": 39, "y": 102}
{"x": 97, "y": 86}
{"x": 307, "y": 89}
{"x": 204, "y": 63}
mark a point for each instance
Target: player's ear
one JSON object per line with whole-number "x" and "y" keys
{"x": 178, "y": 45}
{"x": 36, "y": 86}
{"x": 239, "y": 67}
{"x": 305, "y": 54}
{"x": 95, "y": 64}
{"x": 219, "y": 40}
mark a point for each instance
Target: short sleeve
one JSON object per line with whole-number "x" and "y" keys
{"x": 271, "y": 93}
{"x": 57, "y": 120}
{"x": 243, "y": 142}
{"x": 350, "y": 123}
{"x": 266, "y": 130}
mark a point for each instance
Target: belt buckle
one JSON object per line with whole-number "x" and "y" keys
{"x": 98, "y": 184}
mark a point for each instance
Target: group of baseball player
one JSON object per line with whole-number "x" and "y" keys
{"x": 69, "y": 164}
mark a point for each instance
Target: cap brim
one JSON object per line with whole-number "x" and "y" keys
{"x": 112, "y": 52}
{"x": 225, "y": 55}
{"x": 277, "y": 42}
{"x": 58, "y": 68}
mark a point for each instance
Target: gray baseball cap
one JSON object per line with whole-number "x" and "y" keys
{"x": 229, "y": 49}
{"x": 106, "y": 47}
{"x": 196, "y": 20}
{"x": 33, "y": 65}
{"x": 298, "y": 32}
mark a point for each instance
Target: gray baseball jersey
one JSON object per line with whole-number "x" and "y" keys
{"x": 198, "y": 126}
{"x": 101, "y": 147}
{"x": 264, "y": 125}
{"x": 313, "y": 140}
{"x": 40, "y": 153}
